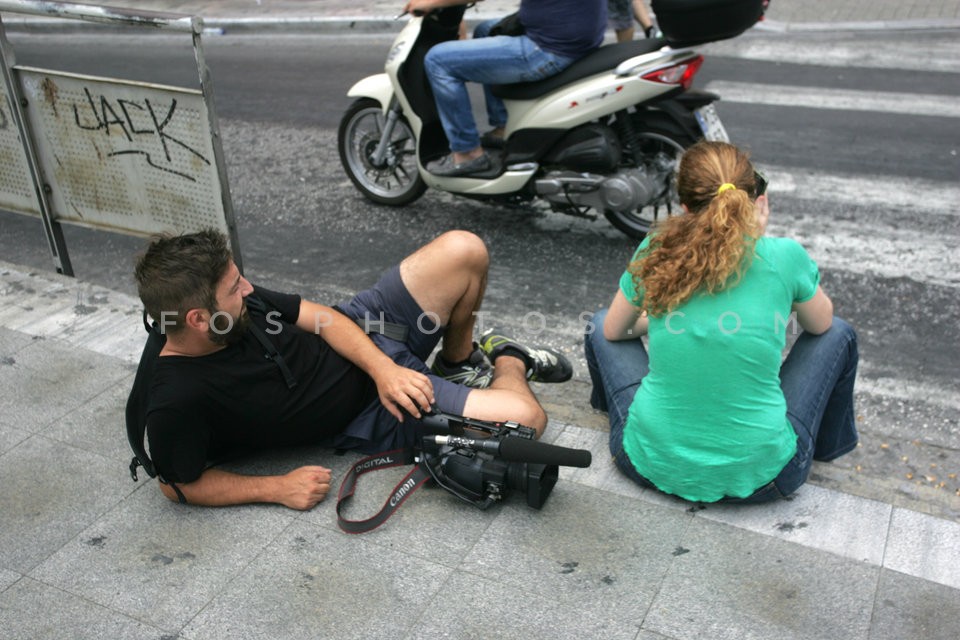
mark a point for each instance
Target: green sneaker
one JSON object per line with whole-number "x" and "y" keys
{"x": 543, "y": 365}
{"x": 476, "y": 371}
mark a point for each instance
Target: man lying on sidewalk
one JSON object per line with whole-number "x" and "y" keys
{"x": 213, "y": 388}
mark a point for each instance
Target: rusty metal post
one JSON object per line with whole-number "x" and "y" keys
{"x": 206, "y": 88}
{"x": 52, "y": 228}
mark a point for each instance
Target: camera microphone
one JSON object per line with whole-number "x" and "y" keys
{"x": 522, "y": 450}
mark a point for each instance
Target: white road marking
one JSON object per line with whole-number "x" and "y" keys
{"x": 846, "y": 99}
{"x": 883, "y": 245}
{"x": 921, "y": 54}
{"x": 913, "y": 195}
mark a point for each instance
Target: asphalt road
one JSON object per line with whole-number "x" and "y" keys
{"x": 871, "y": 191}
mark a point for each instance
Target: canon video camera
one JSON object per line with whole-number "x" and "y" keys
{"x": 481, "y": 461}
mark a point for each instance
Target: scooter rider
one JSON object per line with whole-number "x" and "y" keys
{"x": 556, "y": 33}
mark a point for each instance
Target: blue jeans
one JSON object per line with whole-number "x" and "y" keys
{"x": 817, "y": 380}
{"x": 490, "y": 60}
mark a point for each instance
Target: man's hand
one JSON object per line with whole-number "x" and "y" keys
{"x": 402, "y": 388}
{"x": 422, "y": 7}
{"x": 303, "y": 488}
{"x": 300, "y": 489}
{"x": 418, "y": 7}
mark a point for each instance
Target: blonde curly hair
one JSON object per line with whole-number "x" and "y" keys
{"x": 709, "y": 248}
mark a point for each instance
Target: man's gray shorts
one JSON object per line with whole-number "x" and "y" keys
{"x": 375, "y": 429}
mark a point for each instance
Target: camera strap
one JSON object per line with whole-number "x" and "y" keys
{"x": 410, "y": 483}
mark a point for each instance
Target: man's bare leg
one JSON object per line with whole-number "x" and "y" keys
{"x": 509, "y": 397}
{"x": 447, "y": 278}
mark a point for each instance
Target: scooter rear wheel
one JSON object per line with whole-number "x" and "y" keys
{"x": 661, "y": 151}
{"x": 396, "y": 181}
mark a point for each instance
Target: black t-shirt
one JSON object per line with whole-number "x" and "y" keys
{"x": 201, "y": 407}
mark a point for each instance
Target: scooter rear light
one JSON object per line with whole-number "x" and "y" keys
{"x": 681, "y": 74}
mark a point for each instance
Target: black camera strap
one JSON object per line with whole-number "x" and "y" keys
{"x": 410, "y": 483}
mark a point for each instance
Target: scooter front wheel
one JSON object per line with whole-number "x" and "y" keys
{"x": 661, "y": 149}
{"x": 395, "y": 180}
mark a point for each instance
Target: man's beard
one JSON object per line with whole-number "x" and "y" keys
{"x": 218, "y": 333}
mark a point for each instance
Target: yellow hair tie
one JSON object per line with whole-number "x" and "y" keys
{"x": 725, "y": 186}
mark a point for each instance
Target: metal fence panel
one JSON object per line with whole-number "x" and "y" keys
{"x": 16, "y": 185}
{"x": 124, "y": 155}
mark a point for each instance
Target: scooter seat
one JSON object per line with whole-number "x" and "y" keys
{"x": 603, "y": 59}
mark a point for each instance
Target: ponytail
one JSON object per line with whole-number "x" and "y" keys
{"x": 708, "y": 248}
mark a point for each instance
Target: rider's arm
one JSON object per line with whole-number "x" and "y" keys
{"x": 426, "y": 6}
{"x": 301, "y": 489}
{"x": 816, "y": 314}
{"x": 624, "y": 321}
{"x": 399, "y": 387}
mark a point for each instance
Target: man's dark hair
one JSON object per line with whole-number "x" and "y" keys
{"x": 178, "y": 273}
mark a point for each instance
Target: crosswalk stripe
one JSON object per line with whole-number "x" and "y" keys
{"x": 888, "y": 192}
{"x": 880, "y": 244}
{"x": 926, "y": 54}
{"x": 846, "y": 99}
{"x": 881, "y": 250}
{"x": 928, "y": 391}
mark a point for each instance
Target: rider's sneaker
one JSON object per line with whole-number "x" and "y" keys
{"x": 543, "y": 365}
{"x": 476, "y": 371}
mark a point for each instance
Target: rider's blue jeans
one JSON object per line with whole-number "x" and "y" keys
{"x": 817, "y": 380}
{"x": 490, "y": 60}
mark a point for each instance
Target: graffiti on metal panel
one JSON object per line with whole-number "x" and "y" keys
{"x": 142, "y": 123}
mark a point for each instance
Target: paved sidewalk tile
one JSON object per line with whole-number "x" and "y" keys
{"x": 51, "y": 492}
{"x": 311, "y": 582}
{"x": 7, "y": 578}
{"x": 924, "y": 546}
{"x": 814, "y": 517}
{"x": 908, "y": 607}
{"x": 31, "y": 609}
{"x": 587, "y": 549}
{"x": 154, "y": 561}
{"x": 728, "y": 584}
{"x": 843, "y": 524}
{"x": 472, "y": 605}
{"x": 49, "y": 305}
{"x": 47, "y": 380}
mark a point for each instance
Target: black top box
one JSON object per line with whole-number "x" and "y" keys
{"x": 686, "y": 23}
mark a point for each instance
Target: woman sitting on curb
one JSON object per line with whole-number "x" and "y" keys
{"x": 711, "y": 414}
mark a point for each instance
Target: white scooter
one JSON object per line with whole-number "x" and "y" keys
{"x": 604, "y": 135}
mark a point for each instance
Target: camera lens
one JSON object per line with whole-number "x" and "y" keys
{"x": 535, "y": 480}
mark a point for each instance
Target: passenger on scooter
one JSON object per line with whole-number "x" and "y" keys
{"x": 621, "y": 18}
{"x": 554, "y": 34}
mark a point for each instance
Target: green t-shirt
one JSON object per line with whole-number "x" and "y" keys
{"x": 710, "y": 420}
